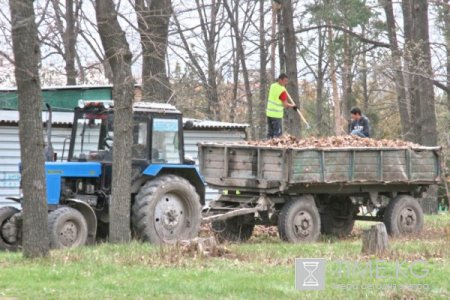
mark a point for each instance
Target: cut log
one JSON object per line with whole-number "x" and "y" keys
{"x": 375, "y": 240}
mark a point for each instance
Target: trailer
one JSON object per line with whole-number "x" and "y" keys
{"x": 308, "y": 191}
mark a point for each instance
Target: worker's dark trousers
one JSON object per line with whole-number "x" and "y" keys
{"x": 274, "y": 127}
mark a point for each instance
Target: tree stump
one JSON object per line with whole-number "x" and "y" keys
{"x": 375, "y": 240}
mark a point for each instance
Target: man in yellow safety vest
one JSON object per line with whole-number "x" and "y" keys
{"x": 276, "y": 103}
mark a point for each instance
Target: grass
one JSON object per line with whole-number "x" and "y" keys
{"x": 263, "y": 268}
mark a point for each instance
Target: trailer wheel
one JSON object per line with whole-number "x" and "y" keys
{"x": 403, "y": 215}
{"x": 233, "y": 230}
{"x": 166, "y": 209}
{"x": 338, "y": 217}
{"x": 299, "y": 220}
{"x": 9, "y": 231}
{"x": 67, "y": 228}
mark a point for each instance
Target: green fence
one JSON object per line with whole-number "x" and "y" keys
{"x": 60, "y": 98}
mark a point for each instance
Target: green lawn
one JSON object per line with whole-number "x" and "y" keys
{"x": 260, "y": 269}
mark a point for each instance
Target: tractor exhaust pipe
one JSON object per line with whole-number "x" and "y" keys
{"x": 48, "y": 151}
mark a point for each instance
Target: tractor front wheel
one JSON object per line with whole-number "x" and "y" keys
{"x": 10, "y": 230}
{"x": 67, "y": 228}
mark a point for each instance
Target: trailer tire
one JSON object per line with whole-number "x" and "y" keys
{"x": 67, "y": 228}
{"x": 5, "y": 215}
{"x": 232, "y": 230}
{"x": 166, "y": 209}
{"x": 299, "y": 220}
{"x": 403, "y": 215}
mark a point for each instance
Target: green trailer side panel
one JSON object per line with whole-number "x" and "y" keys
{"x": 63, "y": 99}
{"x": 250, "y": 167}
{"x": 424, "y": 165}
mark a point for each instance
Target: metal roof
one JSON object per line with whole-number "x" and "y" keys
{"x": 207, "y": 124}
{"x": 155, "y": 107}
{"x": 11, "y": 117}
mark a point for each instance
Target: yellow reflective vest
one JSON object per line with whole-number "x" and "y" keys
{"x": 275, "y": 107}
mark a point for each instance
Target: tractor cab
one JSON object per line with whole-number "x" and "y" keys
{"x": 157, "y": 133}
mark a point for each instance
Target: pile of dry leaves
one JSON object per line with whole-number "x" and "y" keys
{"x": 289, "y": 141}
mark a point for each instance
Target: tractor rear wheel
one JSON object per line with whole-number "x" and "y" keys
{"x": 166, "y": 209}
{"x": 9, "y": 229}
{"x": 67, "y": 228}
{"x": 299, "y": 220}
{"x": 403, "y": 215}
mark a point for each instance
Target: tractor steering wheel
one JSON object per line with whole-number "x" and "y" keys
{"x": 108, "y": 142}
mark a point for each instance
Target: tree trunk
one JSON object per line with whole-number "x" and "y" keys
{"x": 153, "y": 23}
{"x": 427, "y": 102}
{"x": 236, "y": 66}
{"x": 273, "y": 40}
{"x": 320, "y": 83}
{"x": 280, "y": 35}
{"x": 290, "y": 43}
{"x": 347, "y": 78}
{"x": 69, "y": 44}
{"x": 423, "y": 113}
{"x": 375, "y": 240}
{"x": 27, "y": 59}
{"x": 262, "y": 74}
{"x": 402, "y": 100}
{"x": 119, "y": 56}
{"x": 410, "y": 69}
{"x": 446, "y": 12}
{"x": 66, "y": 26}
{"x": 364, "y": 73}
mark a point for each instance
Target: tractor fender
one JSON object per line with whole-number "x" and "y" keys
{"x": 89, "y": 214}
{"x": 188, "y": 172}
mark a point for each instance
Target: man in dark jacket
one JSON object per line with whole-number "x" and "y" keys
{"x": 360, "y": 124}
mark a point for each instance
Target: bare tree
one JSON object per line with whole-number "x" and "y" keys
{"x": 205, "y": 64}
{"x": 66, "y": 19}
{"x": 241, "y": 55}
{"x": 27, "y": 59}
{"x": 119, "y": 56}
{"x": 263, "y": 80}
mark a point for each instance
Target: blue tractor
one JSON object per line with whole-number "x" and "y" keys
{"x": 167, "y": 190}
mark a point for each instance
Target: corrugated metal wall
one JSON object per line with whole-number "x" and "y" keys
{"x": 10, "y": 153}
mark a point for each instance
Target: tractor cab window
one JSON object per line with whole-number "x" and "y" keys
{"x": 165, "y": 141}
{"x": 87, "y": 134}
{"x": 139, "y": 148}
